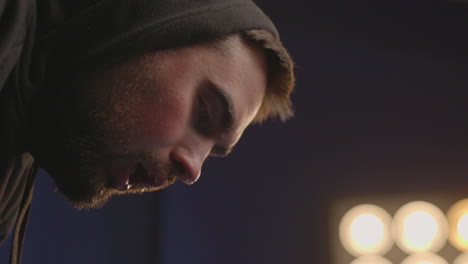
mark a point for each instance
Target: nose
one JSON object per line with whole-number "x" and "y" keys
{"x": 188, "y": 157}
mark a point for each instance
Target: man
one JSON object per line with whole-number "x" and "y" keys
{"x": 115, "y": 97}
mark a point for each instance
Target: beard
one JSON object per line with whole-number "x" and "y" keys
{"x": 70, "y": 149}
{"x": 74, "y": 146}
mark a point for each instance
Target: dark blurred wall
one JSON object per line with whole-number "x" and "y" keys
{"x": 381, "y": 106}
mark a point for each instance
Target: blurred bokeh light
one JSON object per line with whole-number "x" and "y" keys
{"x": 461, "y": 259}
{"x": 371, "y": 260}
{"x": 424, "y": 258}
{"x": 365, "y": 230}
{"x": 420, "y": 226}
{"x": 457, "y": 217}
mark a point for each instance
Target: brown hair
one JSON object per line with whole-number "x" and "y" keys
{"x": 281, "y": 79}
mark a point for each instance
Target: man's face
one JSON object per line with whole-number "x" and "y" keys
{"x": 142, "y": 124}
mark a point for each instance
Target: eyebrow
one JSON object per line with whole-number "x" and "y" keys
{"x": 227, "y": 121}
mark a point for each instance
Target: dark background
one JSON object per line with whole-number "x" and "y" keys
{"x": 381, "y": 108}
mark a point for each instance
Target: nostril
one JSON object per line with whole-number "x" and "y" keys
{"x": 178, "y": 168}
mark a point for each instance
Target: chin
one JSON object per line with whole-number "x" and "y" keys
{"x": 98, "y": 198}
{"x": 94, "y": 202}
{"x": 82, "y": 188}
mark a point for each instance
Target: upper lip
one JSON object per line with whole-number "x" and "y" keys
{"x": 138, "y": 175}
{"x": 147, "y": 176}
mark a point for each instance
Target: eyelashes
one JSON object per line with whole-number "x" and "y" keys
{"x": 203, "y": 120}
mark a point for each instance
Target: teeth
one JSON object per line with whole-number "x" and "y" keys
{"x": 127, "y": 184}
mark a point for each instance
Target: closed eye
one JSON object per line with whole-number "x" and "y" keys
{"x": 220, "y": 151}
{"x": 203, "y": 120}
{"x": 214, "y": 110}
{"x": 214, "y": 115}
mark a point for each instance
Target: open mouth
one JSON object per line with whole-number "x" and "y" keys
{"x": 141, "y": 178}
{"x": 131, "y": 174}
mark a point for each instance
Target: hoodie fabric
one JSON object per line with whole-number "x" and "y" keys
{"x": 49, "y": 44}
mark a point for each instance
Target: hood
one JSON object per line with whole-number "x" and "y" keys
{"x": 76, "y": 38}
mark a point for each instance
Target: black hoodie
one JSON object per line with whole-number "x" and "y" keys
{"x": 47, "y": 45}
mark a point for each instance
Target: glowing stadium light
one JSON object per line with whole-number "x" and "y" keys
{"x": 424, "y": 258}
{"x": 457, "y": 217}
{"x": 461, "y": 259}
{"x": 419, "y": 227}
{"x": 371, "y": 260}
{"x": 365, "y": 230}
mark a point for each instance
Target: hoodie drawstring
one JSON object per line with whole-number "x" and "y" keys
{"x": 22, "y": 220}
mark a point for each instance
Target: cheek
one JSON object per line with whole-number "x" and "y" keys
{"x": 165, "y": 120}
